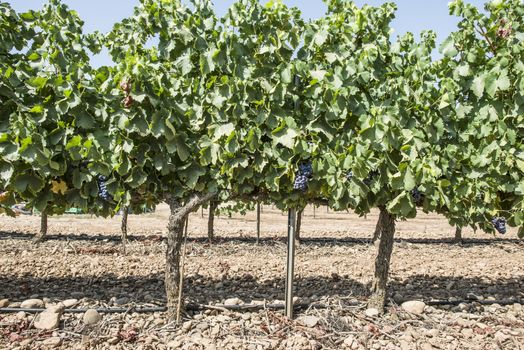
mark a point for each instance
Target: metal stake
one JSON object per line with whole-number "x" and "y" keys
{"x": 290, "y": 261}
{"x": 258, "y": 222}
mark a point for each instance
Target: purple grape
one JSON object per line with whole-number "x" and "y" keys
{"x": 418, "y": 197}
{"x": 500, "y": 224}
{"x": 305, "y": 172}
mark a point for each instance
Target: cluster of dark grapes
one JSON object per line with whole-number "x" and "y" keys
{"x": 305, "y": 172}
{"x": 102, "y": 188}
{"x": 418, "y": 197}
{"x": 500, "y": 224}
{"x": 349, "y": 175}
{"x": 372, "y": 174}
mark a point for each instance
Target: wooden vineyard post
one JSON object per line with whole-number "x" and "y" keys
{"x": 123, "y": 226}
{"x": 290, "y": 261}
{"x": 314, "y": 211}
{"x": 258, "y": 222}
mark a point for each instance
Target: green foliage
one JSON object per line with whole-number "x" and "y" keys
{"x": 482, "y": 96}
{"x": 197, "y": 103}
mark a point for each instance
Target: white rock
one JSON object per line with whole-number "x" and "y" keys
{"x": 32, "y": 304}
{"x": 4, "y": 303}
{"x": 426, "y": 346}
{"x": 174, "y": 344}
{"x": 47, "y": 320}
{"x": 113, "y": 340}
{"x": 91, "y": 317}
{"x": 233, "y": 301}
{"x": 404, "y": 345}
{"x": 371, "y": 312}
{"x": 309, "y": 321}
{"x": 70, "y": 302}
{"x": 56, "y": 308}
{"x": 349, "y": 342}
{"x": 501, "y": 337}
{"x": 414, "y": 306}
{"x": 52, "y": 342}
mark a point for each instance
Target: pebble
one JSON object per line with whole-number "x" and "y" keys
{"x": 404, "y": 345}
{"x": 309, "y": 321}
{"x": 371, "y": 312}
{"x": 186, "y": 326}
{"x": 414, "y": 306}
{"x": 48, "y": 320}
{"x": 52, "y": 342}
{"x": 56, "y": 308}
{"x": 202, "y": 326}
{"x": 121, "y": 301}
{"x": 426, "y": 346}
{"x": 501, "y": 337}
{"x": 92, "y": 317}
{"x": 4, "y": 303}
{"x": 233, "y": 301}
{"x": 70, "y": 302}
{"x": 32, "y": 304}
{"x": 113, "y": 340}
{"x": 350, "y": 341}
{"x": 25, "y": 343}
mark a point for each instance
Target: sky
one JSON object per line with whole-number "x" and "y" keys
{"x": 412, "y": 15}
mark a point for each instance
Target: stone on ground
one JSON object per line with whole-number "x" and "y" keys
{"x": 32, "y": 304}
{"x": 414, "y": 307}
{"x": 92, "y": 317}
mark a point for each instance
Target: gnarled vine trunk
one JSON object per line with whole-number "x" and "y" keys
{"x": 376, "y": 234}
{"x": 175, "y": 234}
{"x": 211, "y": 220}
{"x": 41, "y": 235}
{"x": 458, "y": 234}
{"x": 386, "y": 232}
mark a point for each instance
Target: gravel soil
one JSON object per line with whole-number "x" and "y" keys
{"x": 84, "y": 264}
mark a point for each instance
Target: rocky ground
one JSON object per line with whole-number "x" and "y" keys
{"x": 83, "y": 265}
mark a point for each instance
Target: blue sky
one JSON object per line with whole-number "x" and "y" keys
{"x": 412, "y": 15}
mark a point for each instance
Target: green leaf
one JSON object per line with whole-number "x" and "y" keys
{"x": 223, "y": 130}
{"x": 409, "y": 180}
{"x": 6, "y": 171}
{"x": 401, "y": 205}
{"x": 318, "y": 74}
{"x": 285, "y": 136}
{"x": 286, "y": 75}
{"x": 320, "y": 37}
{"x": 490, "y": 81}
{"x": 29, "y": 182}
{"x": 447, "y": 48}
{"x": 37, "y": 109}
{"x": 33, "y": 57}
{"x": 181, "y": 147}
{"x": 136, "y": 178}
{"x": 76, "y": 141}
{"x": 478, "y": 86}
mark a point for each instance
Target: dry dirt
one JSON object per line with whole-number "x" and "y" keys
{"x": 84, "y": 260}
